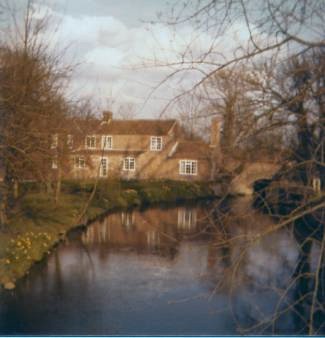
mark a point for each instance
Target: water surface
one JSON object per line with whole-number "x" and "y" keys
{"x": 160, "y": 271}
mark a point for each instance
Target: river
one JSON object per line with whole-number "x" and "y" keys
{"x": 182, "y": 270}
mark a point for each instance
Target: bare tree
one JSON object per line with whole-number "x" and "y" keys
{"x": 126, "y": 111}
{"x": 286, "y": 40}
{"x": 31, "y": 101}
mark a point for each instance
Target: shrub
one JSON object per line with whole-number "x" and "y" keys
{"x": 36, "y": 206}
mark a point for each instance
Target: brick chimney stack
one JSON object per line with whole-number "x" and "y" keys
{"x": 107, "y": 116}
{"x": 215, "y": 132}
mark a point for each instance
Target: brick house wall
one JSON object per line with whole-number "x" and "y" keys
{"x": 129, "y": 154}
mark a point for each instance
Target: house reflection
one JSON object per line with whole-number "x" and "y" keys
{"x": 153, "y": 230}
{"x": 127, "y": 219}
{"x": 153, "y": 239}
{"x": 186, "y": 219}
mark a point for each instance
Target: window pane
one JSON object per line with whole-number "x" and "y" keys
{"x": 156, "y": 143}
{"x": 183, "y": 167}
{"x": 107, "y": 142}
{"x": 188, "y": 167}
{"x": 91, "y": 141}
{"x": 103, "y": 168}
{"x": 129, "y": 163}
{"x": 159, "y": 143}
{"x": 193, "y": 167}
{"x": 80, "y": 162}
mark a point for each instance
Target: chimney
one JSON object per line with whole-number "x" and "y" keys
{"x": 107, "y": 116}
{"x": 215, "y": 132}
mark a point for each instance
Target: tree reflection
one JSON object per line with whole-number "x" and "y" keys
{"x": 273, "y": 275}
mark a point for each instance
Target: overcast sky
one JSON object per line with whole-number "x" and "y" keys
{"x": 111, "y": 38}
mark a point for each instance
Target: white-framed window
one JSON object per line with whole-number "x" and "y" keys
{"x": 80, "y": 162}
{"x": 90, "y": 142}
{"x": 54, "y": 141}
{"x": 156, "y": 143}
{"x": 103, "y": 169}
{"x": 188, "y": 167}
{"x": 70, "y": 141}
{"x": 54, "y": 163}
{"x": 107, "y": 142}
{"x": 129, "y": 164}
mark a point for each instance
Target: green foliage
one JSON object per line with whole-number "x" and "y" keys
{"x": 29, "y": 187}
{"x": 77, "y": 186}
{"x": 131, "y": 197}
{"x": 37, "y": 206}
{"x": 151, "y": 192}
{"x": 111, "y": 194}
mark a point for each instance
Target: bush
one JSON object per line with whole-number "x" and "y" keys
{"x": 118, "y": 193}
{"x": 37, "y": 206}
{"x": 132, "y": 197}
{"x": 77, "y": 186}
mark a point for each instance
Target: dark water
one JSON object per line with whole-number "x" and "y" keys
{"x": 182, "y": 270}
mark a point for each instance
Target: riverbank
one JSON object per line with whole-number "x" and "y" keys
{"x": 38, "y": 224}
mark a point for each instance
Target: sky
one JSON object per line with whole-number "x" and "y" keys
{"x": 117, "y": 44}
{"x": 111, "y": 40}
{"x": 114, "y": 42}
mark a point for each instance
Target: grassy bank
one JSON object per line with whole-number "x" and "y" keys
{"x": 38, "y": 223}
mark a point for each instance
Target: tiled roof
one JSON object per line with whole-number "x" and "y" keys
{"x": 192, "y": 150}
{"x": 138, "y": 127}
{"x": 124, "y": 127}
{"x": 105, "y": 152}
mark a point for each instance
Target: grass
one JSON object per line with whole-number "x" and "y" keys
{"x": 38, "y": 224}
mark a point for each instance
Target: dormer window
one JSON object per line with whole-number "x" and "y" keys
{"x": 156, "y": 143}
{"x": 90, "y": 142}
{"x": 107, "y": 142}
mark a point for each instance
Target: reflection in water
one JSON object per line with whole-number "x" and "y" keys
{"x": 186, "y": 219}
{"x": 127, "y": 219}
{"x": 279, "y": 267}
{"x": 308, "y": 287}
{"x": 153, "y": 230}
{"x": 184, "y": 270}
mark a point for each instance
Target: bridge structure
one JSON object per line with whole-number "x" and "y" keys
{"x": 242, "y": 183}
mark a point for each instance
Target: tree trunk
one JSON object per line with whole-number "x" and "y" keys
{"x": 4, "y": 196}
{"x": 3, "y": 211}
{"x": 58, "y": 185}
{"x": 49, "y": 186}
{"x": 15, "y": 189}
{"x": 215, "y": 160}
{"x": 229, "y": 129}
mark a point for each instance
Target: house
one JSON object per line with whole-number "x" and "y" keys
{"x": 139, "y": 149}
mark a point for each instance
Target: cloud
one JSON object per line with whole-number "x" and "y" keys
{"x": 109, "y": 50}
